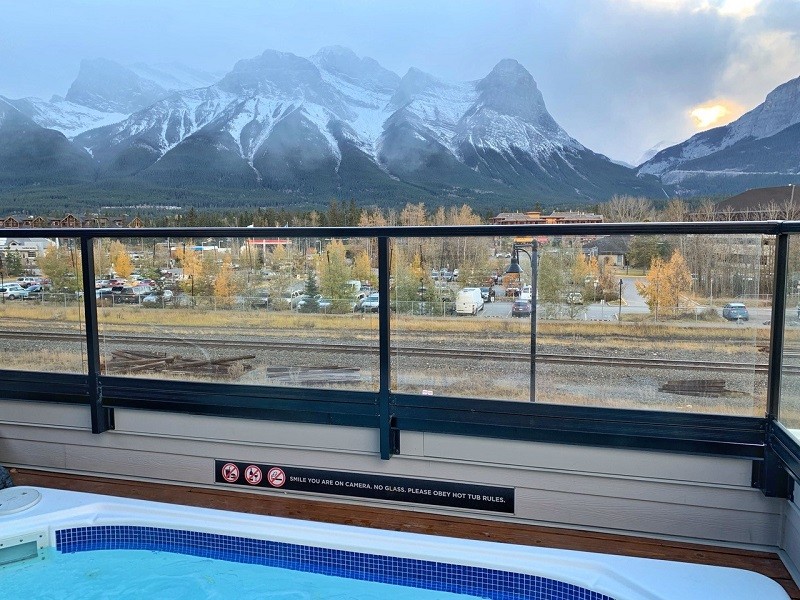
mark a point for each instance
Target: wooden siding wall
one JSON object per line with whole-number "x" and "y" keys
{"x": 790, "y": 539}
{"x": 693, "y": 498}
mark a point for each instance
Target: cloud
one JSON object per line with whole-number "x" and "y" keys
{"x": 740, "y": 9}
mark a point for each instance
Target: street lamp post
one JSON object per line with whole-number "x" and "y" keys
{"x": 619, "y": 314}
{"x": 514, "y": 267}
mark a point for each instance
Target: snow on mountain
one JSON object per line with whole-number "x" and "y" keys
{"x": 31, "y": 154}
{"x": 651, "y": 152}
{"x": 509, "y": 113}
{"x": 175, "y": 76}
{"x": 334, "y": 121}
{"x": 366, "y": 88}
{"x": 105, "y": 93}
{"x": 160, "y": 127}
{"x": 431, "y": 105}
{"x": 67, "y": 117}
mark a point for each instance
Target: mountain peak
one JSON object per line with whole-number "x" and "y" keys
{"x": 510, "y": 67}
{"x": 367, "y": 72}
{"x": 271, "y": 70}
{"x": 510, "y": 89}
{"x": 107, "y": 86}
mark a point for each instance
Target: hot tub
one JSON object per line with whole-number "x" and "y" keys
{"x": 37, "y": 523}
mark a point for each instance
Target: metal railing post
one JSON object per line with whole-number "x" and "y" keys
{"x": 102, "y": 418}
{"x": 388, "y": 443}
{"x": 777, "y": 326}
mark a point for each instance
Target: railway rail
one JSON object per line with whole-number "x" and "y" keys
{"x": 428, "y": 352}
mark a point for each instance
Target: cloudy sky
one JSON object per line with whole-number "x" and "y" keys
{"x": 619, "y": 75}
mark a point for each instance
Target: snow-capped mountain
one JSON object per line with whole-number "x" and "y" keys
{"x": 62, "y": 115}
{"x": 30, "y": 154}
{"x": 652, "y": 151}
{"x": 322, "y": 123}
{"x": 760, "y": 148}
{"x": 106, "y": 92}
{"x": 175, "y": 76}
{"x": 331, "y": 125}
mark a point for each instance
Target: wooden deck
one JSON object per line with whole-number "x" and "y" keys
{"x": 766, "y": 563}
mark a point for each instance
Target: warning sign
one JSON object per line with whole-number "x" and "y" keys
{"x": 230, "y": 472}
{"x": 364, "y": 485}
{"x": 276, "y": 477}
{"x": 253, "y": 475}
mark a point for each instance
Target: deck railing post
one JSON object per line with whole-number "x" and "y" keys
{"x": 389, "y": 442}
{"x": 102, "y": 418}
{"x": 777, "y": 325}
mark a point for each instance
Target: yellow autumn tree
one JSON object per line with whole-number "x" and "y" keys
{"x": 279, "y": 255}
{"x": 120, "y": 259}
{"x": 225, "y": 287}
{"x": 192, "y": 264}
{"x": 362, "y": 267}
{"x": 666, "y": 282}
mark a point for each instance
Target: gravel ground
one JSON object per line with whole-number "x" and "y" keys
{"x": 611, "y": 385}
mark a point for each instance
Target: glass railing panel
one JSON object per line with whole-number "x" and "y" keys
{"x": 278, "y": 312}
{"x": 675, "y": 339}
{"x": 41, "y": 307}
{"x": 452, "y": 329}
{"x": 789, "y": 411}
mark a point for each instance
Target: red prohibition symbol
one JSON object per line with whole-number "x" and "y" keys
{"x": 230, "y": 472}
{"x": 276, "y": 477}
{"x": 253, "y": 475}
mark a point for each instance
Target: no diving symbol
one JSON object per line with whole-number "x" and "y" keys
{"x": 253, "y": 475}
{"x": 230, "y": 472}
{"x": 276, "y": 477}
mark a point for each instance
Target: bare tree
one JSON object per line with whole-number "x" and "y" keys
{"x": 706, "y": 211}
{"x": 676, "y": 211}
{"x": 771, "y": 211}
{"x": 628, "y": 209}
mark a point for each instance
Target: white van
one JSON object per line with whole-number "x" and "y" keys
{"x": 469, "y": 301}
{"x": 526, "y": 293}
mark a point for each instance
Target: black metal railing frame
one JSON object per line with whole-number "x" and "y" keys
{"x": 774, "y": 452}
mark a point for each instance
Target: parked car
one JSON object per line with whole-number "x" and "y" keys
{"x": 369, "y": 303}
{"x": 521, "y": 308}
{"x": 289, "y": 299}
{"x": 132, "y": 294}
{"x": 487, "y": 293}
{"x": 28, "y": 281}
{"x": 158, "y": 298}
{"x": 35, "y": 292}
{"x": 735, "y": 311}
{"x": 323, "y": 304}
{"x": 526, "y": 293}
{"x": 13, "y": 291}
{"x": 104, "y": 297}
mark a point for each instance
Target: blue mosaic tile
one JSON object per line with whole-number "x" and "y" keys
{"x": 409, "y": 572}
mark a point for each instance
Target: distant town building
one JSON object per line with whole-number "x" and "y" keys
{"x": 609, "y": 249}
{"x": 535, "y": 217}
{"x": 68, "y": 221}
{"x": 27, "y": 248}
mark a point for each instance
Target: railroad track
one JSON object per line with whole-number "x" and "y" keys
{"x": 449, "y": 353}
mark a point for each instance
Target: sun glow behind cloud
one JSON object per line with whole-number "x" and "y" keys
{"x": 714, "y": 113}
